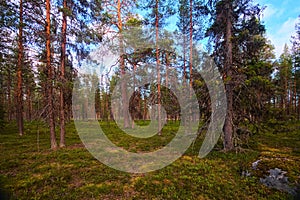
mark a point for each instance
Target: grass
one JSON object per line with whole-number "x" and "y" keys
{"x": 30, "y": 170}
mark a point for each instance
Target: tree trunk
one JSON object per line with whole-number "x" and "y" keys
{"x": 158, "y": 67}
{"x": 145, "y": 109}
{"x": 140, "y": 105}
{"x": 102, "y": 102}
{"x": 9, "y": 111}
{"x": 286, "y": 97}
{"x": 184, "y": 67}
{"x": 184, "y": 58}
{"x": 122, "y": 66}
{"x": 167, "y": 68}
{"x": 134, "y": 83}
{"x": 29, "y": 104}
{"x": 107, "y": 107}
{"x": 298, "y": 107}
{"x": 19, "y": 93}
{"x": 295, "y": 91}
{"x": 228, "y": 126}
{"x": 62, "y": 75}
{"x": 191, "y": 56}
{"x": 49, "y": 79}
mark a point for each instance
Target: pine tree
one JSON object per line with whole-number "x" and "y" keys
{"x": 82, "y": 15}
{"x": 19, "y": 94}
{"x": 183, "y": 25}
{"x": 9, "y": 23}
{"x": 284, "y": 76}
{"x": 50, "y": 76}
{"x": 296, "y": 67}
{"x": 62, "y": 73}
{"x": 159, "y": 12}
{"x": 231, "y": 20}
{"x": 114, "y": 22}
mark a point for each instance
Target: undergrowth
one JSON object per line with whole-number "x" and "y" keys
{"x": 30, "y": 170}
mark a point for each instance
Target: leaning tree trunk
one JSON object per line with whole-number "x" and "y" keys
{"x": 49, "y": 79}
{"x": 228, "y": 126}
{"x": 19, "y": 93}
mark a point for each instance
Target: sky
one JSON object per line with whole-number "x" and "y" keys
{"x": 280, "y": 17}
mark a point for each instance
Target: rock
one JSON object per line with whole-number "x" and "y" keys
{"x": 254, "y": 164}
{"x": 246, "y": 173}
{"x": 278, "y": 180}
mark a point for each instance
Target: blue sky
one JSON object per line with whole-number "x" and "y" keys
{"x": 280, "y": 17}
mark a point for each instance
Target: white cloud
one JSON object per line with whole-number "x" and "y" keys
{"x": 269, "y": 11}
{"x": 283, "y": 35}
{"x": 288, "y": 26}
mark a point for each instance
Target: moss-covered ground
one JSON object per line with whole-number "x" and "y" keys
{"x": 30, "y": 170}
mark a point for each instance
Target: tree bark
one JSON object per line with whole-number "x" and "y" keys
{"x": 122, "y": 67}
{"x": 9, "y": 111}
{"x": 19, "y": 93}
{"x": 134, "y": 83}
{"x": 167, "y": 68}
{"x": 145, "y": 109}
{"x": 29, "y": 104}
{"x": 298, "y": 107}
{"x": 295, "y": 93}
{"x": 102, "y": 97}
{"x": 191, "y": 56}
{"x": 50, "y": 78}
{"x": 158, "y": 66}
{"x": 228, "y": 125}
{"x": 62, "y": 75}
{"x": 184, "y": 57}
{"x": 286, "y": 97}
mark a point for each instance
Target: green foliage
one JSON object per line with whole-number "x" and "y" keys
{"x": 133, "y": 21}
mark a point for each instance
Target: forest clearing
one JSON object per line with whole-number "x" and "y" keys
{"x": 149, "y": 99}
{"x": 29, "y": 170}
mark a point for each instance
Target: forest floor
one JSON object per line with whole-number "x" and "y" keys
{"x": 30, "y": 170}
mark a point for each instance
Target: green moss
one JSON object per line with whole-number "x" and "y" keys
{"x": 30, "y": 170}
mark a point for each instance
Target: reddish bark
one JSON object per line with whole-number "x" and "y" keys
{"x": 49, "y": 78}
{"x": 19, "y": 93}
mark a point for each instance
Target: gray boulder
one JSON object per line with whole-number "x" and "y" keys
{"x": 277, "y": 179}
